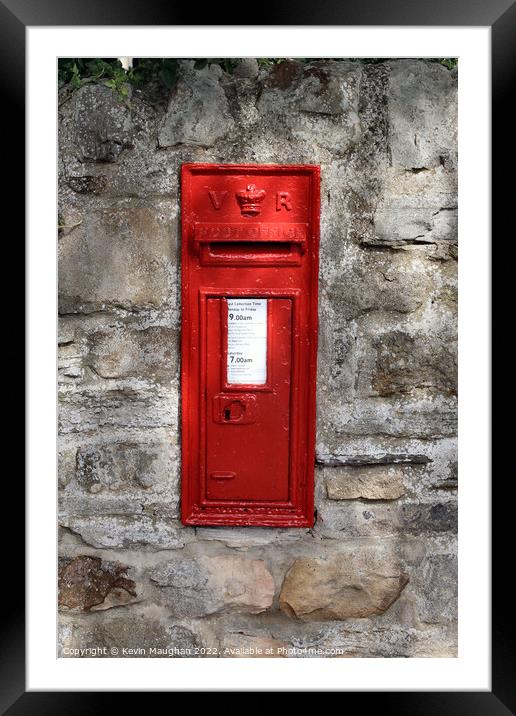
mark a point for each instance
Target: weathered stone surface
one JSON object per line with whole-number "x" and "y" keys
{"x": 241, "y": 582}
{"x": 422, "y": 114}
{"x": 116, "y": 476}
{"x": 130, "y": 404}
{"x": 405, "y": 219}
{"x": 438, "y": 601}
{"x": 401, "y": 350}
{"x": 198, "y": 111}
{"x": 428, "y": 464}
{"x": 383, "y": 459}
{"x": 413, "y": 417}
{"x": 237, "y": 646}
{"x": 103, "y": 126}
{"x": 436, "y": 517}
{"x": 376, "y": 482}
{"x": 111, "y": 466}
{"x": 120, "y": 352}
{"x": 416, "y": 206}
{"x": 88, "y": 583}
{"x": 65, "y": 334}
{"x": 69, "y": 362}
{"x": 87, "y": 184}
{"x": 66, "y": 466}
{"x": 341, "y": 586}
{"x": 365, "y": 282}
{"x": 247, "y": 68}
{"x": 207, "y": 585}
{"x": 119, "y": 256}
{"x": 245, "y": 537}
{"x": 407, "y": 642}
{"x": 124, "y": 531}
{"x": 390, "y": 634}
{"x": 130, "y": 636}
{"x": 316, "y": 103}
{"x": 449, "y": 481}
{"x": 405, "y": 362}
{"x": 355, "y": 519}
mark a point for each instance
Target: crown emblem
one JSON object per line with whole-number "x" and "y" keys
{"x": 249, "y": 200}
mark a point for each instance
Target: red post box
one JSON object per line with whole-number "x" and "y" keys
{"x": 250, "y": 238}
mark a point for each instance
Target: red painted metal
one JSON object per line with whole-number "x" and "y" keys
{"x": 249, "y": 232}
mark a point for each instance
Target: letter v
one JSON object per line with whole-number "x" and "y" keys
{"x": 217, "y": 197}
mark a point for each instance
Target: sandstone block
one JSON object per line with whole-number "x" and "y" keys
{"x": 377, "y": 482}
{"x": 351, "y": 584}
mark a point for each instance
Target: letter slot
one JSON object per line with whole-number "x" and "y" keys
{"x": 249, "y": 343}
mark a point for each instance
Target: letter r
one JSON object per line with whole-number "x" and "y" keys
{"x": 283, "y": 199}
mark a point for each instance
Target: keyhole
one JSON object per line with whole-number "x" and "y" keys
{"x": 233, "y": 412}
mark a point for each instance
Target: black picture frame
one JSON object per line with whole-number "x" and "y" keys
{"x": 500, "y": 16}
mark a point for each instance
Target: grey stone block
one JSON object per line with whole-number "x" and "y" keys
{"x": 102, "y": 124}
{"x": 198, "y": 110}
{"x": 124, "y": 531}
{"x": 120, "y": 256}
{"x": 422, "y": 114}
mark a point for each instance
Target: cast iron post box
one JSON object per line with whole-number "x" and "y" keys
{"x": 250, "y": 237}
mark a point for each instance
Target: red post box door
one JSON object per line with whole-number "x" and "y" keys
{"x": 248, "y": 398}
{"x": 250, "y": 237}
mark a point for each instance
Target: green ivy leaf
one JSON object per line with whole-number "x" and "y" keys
{"x": 168, "y": 72}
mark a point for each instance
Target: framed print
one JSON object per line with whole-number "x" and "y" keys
{"x": 305, "y": 508}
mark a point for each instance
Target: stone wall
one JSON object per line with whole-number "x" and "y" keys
{"x": 376, "y": 576}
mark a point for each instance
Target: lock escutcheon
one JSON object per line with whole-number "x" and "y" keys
{"x": 234, "y": 409}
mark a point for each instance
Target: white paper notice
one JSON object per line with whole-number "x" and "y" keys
{"x": 247, "y": 341}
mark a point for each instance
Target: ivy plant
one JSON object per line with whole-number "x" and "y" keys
{"x": 75, "y": 72}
